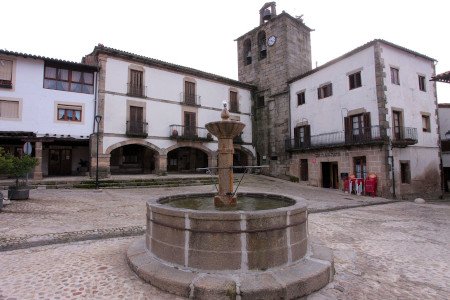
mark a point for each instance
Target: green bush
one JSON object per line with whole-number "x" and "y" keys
{"x": 16, "y": 167}
{"x": 293, "y": 178}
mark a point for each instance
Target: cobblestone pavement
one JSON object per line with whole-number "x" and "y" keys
{"x": 64, "y": 215}
{"x": 393, "y": 251}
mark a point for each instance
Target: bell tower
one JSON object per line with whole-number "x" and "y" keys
{"x": 268, "y": 56}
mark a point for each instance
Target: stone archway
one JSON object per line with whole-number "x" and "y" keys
{"x": 242, "y": 157}
{"x": 187, "y": 159}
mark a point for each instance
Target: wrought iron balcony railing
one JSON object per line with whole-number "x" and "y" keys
{"x": 190, "y": 99}
{"x": 137, "y": 129}
{"x": 191, "y": 133}
{"x": 403, "y": 136}
{"x": 136, "y": 90}
{"x": 360, "y": 136}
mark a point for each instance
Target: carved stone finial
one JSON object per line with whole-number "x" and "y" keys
{"x": 225, "y": 114}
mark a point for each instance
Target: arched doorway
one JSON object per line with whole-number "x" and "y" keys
{"x": 186, "y": 159}
{"x": 240, "y": 158}
{"x": 132, "y": 159}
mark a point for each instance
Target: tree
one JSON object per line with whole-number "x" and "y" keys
{"x": 16, "y": 167}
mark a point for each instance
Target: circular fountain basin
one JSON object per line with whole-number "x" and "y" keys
{"x": 258, "y": 250}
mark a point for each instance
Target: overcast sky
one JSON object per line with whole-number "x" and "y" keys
{"x": 201, "y": 34}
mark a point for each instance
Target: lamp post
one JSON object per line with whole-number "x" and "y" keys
{"x": 98, "y": 118}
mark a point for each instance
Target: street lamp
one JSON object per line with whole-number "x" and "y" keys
{"x": 98, "y": 118}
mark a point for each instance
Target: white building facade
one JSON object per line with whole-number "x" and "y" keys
{"x": 370, "y": 111}
{"x": 154, "y": 115}
{"x": 444, "y": 128}
{"x": 49, "y": 103}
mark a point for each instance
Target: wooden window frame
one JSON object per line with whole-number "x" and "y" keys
{"x": 395, "y": 75}
{"x": 234, "y": 102}
{"x": 70, "y": 82}
{"x": 354, "y": 80}
{"x": 325, "y": 91}
{"x": 301, "y": 98}
{"x": 66, "y": 109}
{"x": 363, "y": 161}
{"x": 422, "y": 83}
{"x": 5, "y": 83}
{"x": 19, "y": 109}
{"x": 426, "y": 119}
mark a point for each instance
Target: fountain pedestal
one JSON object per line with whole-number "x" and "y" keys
{"x": 225, "y": 131}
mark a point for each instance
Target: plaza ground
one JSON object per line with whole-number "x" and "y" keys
{"x": 385, "y": 251}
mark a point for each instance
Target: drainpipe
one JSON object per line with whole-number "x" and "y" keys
{"x": 95, "y": 99}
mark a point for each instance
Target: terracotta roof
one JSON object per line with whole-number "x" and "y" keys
{"x": 48, "y": 59}
{"x": 169, "y": 66}
{"x": 443, "y": 77}
{"x": 356, "y": 50}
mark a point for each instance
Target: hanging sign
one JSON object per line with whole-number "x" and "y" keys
{"x": 27, "y": 148}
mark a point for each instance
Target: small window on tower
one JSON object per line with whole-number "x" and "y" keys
{"x": 262, "y": 45}
{"x": 247, "y": 52}
{"x": 301, "y": 98}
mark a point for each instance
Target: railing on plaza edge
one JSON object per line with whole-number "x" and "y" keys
{"x": 247, "y": 170}
{"x": 181, "y": 132}
{"x": 137, "y": 129}
{"x": 360, "y": 136}
{"x": 190, "y": 99}
{"x": 136, "y": 90}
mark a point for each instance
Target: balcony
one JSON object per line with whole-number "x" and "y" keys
{"x": 404, "y": 136}
{"x": 136, "y": 90}
{"x": 362, "y": 136}
{"x": 188, "y": 133}
{"x": 190, "y": 99}
{"x": 137, "y": 129}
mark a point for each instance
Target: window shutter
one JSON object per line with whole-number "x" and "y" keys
{"x": 367, "y": 126}
{"x": 307, "y": 136}
{"x": 319, "y": 94}
{"x": 331, "y": 90}
{"x": 6, "y": 70}
{"x": 348, "y": 129}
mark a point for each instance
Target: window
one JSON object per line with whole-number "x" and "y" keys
{"x": 358, "y": 128}
{"x": 69, "y": 113}
{"x": 189, "y": 93}
{"x": 247, "y": 52}
{"x": 56, "y": 78}
{"x": 6, "y": 73}
{"x": 360, "y": 167}
{"x": 354, "y": 80}
{"x": 398, "y": 130}
{"x": 260, "y": 101}
{"x": 301, "y": 98}
{"x": 262, "y": 45}
{"x": 9, "y": 109}
{"x": 405, "y": 172}
{"x": 426, "y": 127}
{"x": 422, "y": 83}
{"x": 302, "y": 136}
{"x": 136, "y": 84}
{"x": 325, "y": 91}
{"x": 234, "y": 105}
{"x": 395, "y": 78}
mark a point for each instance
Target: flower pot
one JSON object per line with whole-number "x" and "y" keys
{"x": 21, "y": 193}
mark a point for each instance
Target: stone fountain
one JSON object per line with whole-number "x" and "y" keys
{"x": 227, "y": 246}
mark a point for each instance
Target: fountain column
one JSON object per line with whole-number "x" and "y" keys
{"x": 225, "y": 131}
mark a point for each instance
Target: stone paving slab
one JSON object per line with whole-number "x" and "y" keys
{"x": 393, "y": 251}
{"x": 71, "y": 214}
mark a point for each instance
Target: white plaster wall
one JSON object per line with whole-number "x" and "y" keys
{"x": 39, "y": 104}
{"x": 444, "y": 121}
{"x": 163, "y": 103}
{"x": 326, "y": 115}
{"x": 407, "y": 95}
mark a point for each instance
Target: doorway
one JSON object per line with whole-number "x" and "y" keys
{"x": 60, "y": 162}
{"x": 330, "y": 178}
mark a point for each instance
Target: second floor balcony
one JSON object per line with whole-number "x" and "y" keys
{"x": 137, "y": 129}
{"x": 136, "y": 90}
{"x": 403, "y": 136}
{"x": 190, "y": 133}
{"x": 360, "y": 136}
{"x": 190, "y": 99}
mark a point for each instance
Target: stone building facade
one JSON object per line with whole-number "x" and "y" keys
{"x": 270, "y": 54}
{"x": 372, "y": 110}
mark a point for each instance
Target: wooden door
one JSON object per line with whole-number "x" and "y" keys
{"x": 397, "y": 125}
{"x": 304, "y": 170}
{"x": 136, "y": 87}
{"x": 189, "y": 124}
{"x": 136, "y": 119}
{"x": 66, "y": 162}
{"x": 60, "y": 162}
{"x": 189, "y": 93}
